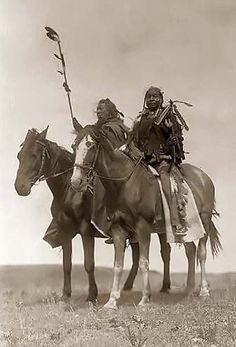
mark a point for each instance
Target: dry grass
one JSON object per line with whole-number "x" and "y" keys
{"x": 32, "y": 314}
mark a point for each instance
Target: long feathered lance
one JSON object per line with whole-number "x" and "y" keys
{"x": 53, "y": 35}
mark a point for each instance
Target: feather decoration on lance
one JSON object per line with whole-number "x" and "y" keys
{"x": 172, "y": 107}
{"x": 53, "y": 35}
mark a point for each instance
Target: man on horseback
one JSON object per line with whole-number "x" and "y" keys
{"x": 113, "y": 128}
{"x": 110, "y": 121}
{"x": 158, "y": 134}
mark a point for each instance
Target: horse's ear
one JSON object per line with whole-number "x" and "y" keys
{"x": 43, "y": 134}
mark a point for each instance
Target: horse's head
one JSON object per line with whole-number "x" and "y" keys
{"x": 86, "y": 149}
{"x": 31, "y": 158}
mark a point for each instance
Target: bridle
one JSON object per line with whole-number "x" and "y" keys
{"x": 45, "y": 155}
{"x": 91, "y": 174}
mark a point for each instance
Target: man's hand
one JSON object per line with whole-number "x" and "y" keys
{"x": 168, "y": 123}
{"x": 77, "y": 126}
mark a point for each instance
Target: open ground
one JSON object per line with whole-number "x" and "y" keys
{"x": 31, "y": 313}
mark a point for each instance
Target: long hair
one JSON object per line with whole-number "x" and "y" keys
{"x": 156, "y": 89}
{"x": 113, "y": 111}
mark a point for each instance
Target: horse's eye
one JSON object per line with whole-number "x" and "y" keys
{"x": 89, "y": 144}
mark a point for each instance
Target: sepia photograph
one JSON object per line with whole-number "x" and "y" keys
{"x": 118, "y": 147}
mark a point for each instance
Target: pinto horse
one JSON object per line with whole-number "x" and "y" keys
{"x": 41, "y": 159}
{"x": 135, "y": 202}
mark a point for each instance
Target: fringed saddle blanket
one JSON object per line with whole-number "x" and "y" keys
{"x": 190, "y": 215}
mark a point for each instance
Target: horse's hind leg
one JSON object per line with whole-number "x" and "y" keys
{"x": 119, "y": 237}
{"x": 134, "y": 269}
{"x": 190, "y": 250}
{"x": 202, "y": 254}
{"x": 88, "y": 245}
{"x": 67, "y": 265}
{"x": 144, "y": 234}
{"x": 165, "y": 254}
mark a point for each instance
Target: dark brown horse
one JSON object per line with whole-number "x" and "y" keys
{"x": 71, "y": 211}
{"x": 133, "y": 201}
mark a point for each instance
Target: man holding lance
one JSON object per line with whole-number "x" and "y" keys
{"x": 158, "y": 134}
{"x": 109, "y": 118}
{"x": 110, "y": 121}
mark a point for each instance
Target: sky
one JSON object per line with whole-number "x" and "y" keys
{"x": 117, "y": 50}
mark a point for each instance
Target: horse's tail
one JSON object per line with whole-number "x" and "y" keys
{"x": 214, "y": 237}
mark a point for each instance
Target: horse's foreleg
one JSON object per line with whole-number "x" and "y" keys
{"x": 134, "y": 269}
{"x": 67, "y": 265}
{"x": 88, "y": 245}
{"x": 165, "y": 254}
{"x": 144, "y": 235}
{"x": 190, "y": 250}
{"x": 119, "y": 237}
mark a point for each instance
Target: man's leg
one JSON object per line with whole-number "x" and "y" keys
{"x": 163, "y": 170}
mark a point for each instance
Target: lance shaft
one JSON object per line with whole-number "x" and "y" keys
{"x": 65, "y": 84}
{"x": 53, "y": 35}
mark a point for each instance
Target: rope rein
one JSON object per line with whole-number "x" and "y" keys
{"x": 92, "y": 167}
{"x": 127, "y": 177}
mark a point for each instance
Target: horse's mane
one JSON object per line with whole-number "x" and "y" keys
{"x": 64, "y": 153}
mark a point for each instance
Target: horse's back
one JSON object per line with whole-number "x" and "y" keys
{"x": 201, "y": 186}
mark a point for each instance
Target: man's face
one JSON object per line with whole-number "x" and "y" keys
{"x": 153, "y": 100}
{"x": 102, "y": 111}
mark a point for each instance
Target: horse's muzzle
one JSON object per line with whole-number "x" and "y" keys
{"x": 22, "y": 189}
{"x": 79, "y": 185}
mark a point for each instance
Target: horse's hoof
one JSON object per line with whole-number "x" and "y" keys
{"x": 111, "y": 306}
{"x": 143, "y": 306}
{"x": 127, "y": 288}
{"x": 65, "y": 297}
{"x": 91, "y": 300}
{"x": 204, "y": 293}
{"x": 165, "y": 290}
{"x": 144, "y": 302}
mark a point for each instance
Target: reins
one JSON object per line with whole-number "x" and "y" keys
{"x": 92, "y": 167}
{"x": 124, "y": 178}
{"x": 43, "y": 178}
